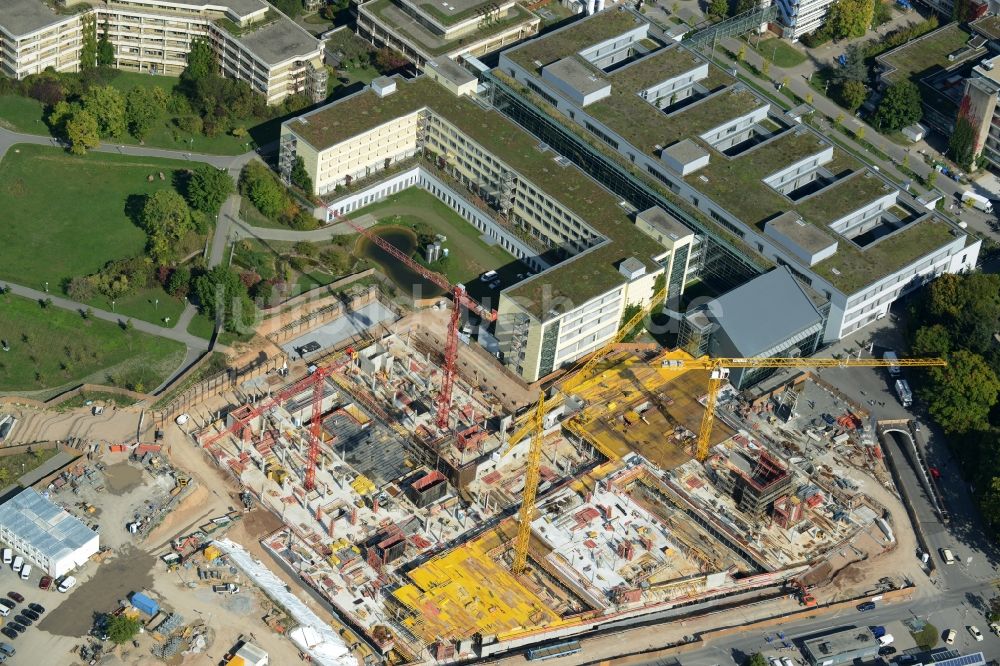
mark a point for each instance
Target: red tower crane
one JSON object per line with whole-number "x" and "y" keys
{"x": 461, "y": 298}
{"x": 314, "y": 381}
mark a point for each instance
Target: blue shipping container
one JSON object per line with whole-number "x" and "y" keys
{"x": 145, "y": 604}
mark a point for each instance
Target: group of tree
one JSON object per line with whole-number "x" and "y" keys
{"x": 849, "y": 19}
{"x": 272, "y": 198}
{"x": 900, "y": 106}
{"x": 957, "y": 318}
{"x": 222, "y": 294}
{"x": 102, "y": 111}
{"x": 875, "y": 46}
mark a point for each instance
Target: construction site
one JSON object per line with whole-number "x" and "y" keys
{"x": 407, "y": 512}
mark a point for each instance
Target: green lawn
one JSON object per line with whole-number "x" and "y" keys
{"x": 19, "y": 464}
{"x": 469, "y": 256}
{"x": 153, "y": 304}
{"x": 203, "y": 325}
{"x": 52, "y": 348}
{"x": 780, "y": 52}
{"x": 22, "y": 114}
{"x": 65, "y": 217}
{"x": 105, "y": 397}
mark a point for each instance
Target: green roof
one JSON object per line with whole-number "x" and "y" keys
{"x": 736, "y": 183}
{"x": 920, "y": 57}
{"x": 567, "y": 41}
{"x": 405, "y": 26}
{"x": 576, "y": 278}
{"x": 854, "y": 268}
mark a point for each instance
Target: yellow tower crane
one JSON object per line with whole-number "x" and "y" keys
{"x": 535, "y": 426}
{"x": 719, "y": 371}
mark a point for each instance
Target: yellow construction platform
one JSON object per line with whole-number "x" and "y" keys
{"x": 464, "y": 591}
{"x": 623, "y": 382}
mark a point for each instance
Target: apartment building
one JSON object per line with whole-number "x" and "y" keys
{"x": 979, "y": 107}
{"x": 252, "y": 41}
{"x": 800, "y": 17}
{"x": 424, "y": 31}
{"x": 594, "y": 259}
{"x": 752, "y": 172}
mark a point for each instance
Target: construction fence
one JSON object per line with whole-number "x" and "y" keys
{"x": 226, "y": 380}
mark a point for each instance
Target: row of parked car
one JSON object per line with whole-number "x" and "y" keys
{"x": 23, "y": 569}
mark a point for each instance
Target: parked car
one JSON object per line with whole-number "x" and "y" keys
{"x": 21, "y": 619}
{"x": 45, "y": 583}
{"x": 974, "y": 630}
{"x": 949, "y": 637}
{"x": 19, "y": 628}
{"x": 30, "y": 614}
{"x": 15, "y": 596}
{"x": 7, "y": 603}
{"x": 9, "y": 633}
{"x": 38, "y": 608}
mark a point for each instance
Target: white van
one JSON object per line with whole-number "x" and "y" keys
{"x": 4, "y": 611}
{"x": 946, "y": 555}
{"x": 18, "y": 563}
{"x": 67, "y": 583}
{"x": 25, "y": 571}
{"x": 8, "y": 555}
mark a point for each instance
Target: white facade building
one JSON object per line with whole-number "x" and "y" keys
{"x": 46, "y": 534}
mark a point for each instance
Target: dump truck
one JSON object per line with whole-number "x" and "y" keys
{"x": 231, "y": 588}
{"x": 977, "y": 201}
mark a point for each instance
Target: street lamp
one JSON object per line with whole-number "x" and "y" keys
{"x": 46, "y": 287}
{"x": 112, "y": 306}
{"x": 156, "y": 304}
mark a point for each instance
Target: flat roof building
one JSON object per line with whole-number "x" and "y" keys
{"x": 424, "y": 31}
{"x": 45, "y": 533}
{"x": 775, "y": 189}
{"x": 842, "y": 647}
{"x": 252, "y": 41}
{"x": 592, "y": 257}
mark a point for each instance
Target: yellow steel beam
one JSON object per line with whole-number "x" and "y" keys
{"x": 531, "y": 477}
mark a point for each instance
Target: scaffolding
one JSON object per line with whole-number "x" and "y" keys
{"x": 286, "y": 157}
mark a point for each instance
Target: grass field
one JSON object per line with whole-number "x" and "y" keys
{"x": 22, "y": 114}
{"x": 780, "y": 52}
{"x": 65, "y": 216}
{"x": 19, "y": 464}
{"x": 51, "y": 348}
{"x": 469, "y": 256}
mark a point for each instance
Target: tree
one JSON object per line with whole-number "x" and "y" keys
{"x": 141, "y": 111}
{"x": 756, "y": 659}
{"x": 208, "y": 189}
{"x": 105, "y": 51}
{"x": 718, "y": 8}
{"x": 741, "y": 55}
{"x": 961, "y": 395}
{"x": 300, "y": 177}
{"x": 179, "y": 282}
{"x": 122, "y": 628}
{"x": 201, "y": 63}
{"x": 631, "y": 310}
{"x": 388, "y": 59}
{"x": 107, "y": 105}
{"x": 962, "y": 143}
{"x": 88, "y": 45}
{"x": 859, "y": 133}
{"x": 221, "y": 294}
{"x": 82, "y": 132}
{"x": 264, "y": 191}
{"x": 853, "y": 94}
{"x": 931, "y": 340}
{"x": 849, "y": 18}
{"x": 765, "y": 67}
{"x": 882, "y": 13}
{"x": 166, "y": 219}
{"x": 900, "y": 106}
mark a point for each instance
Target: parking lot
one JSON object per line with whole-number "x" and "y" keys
{"x": 44, "y": 637}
